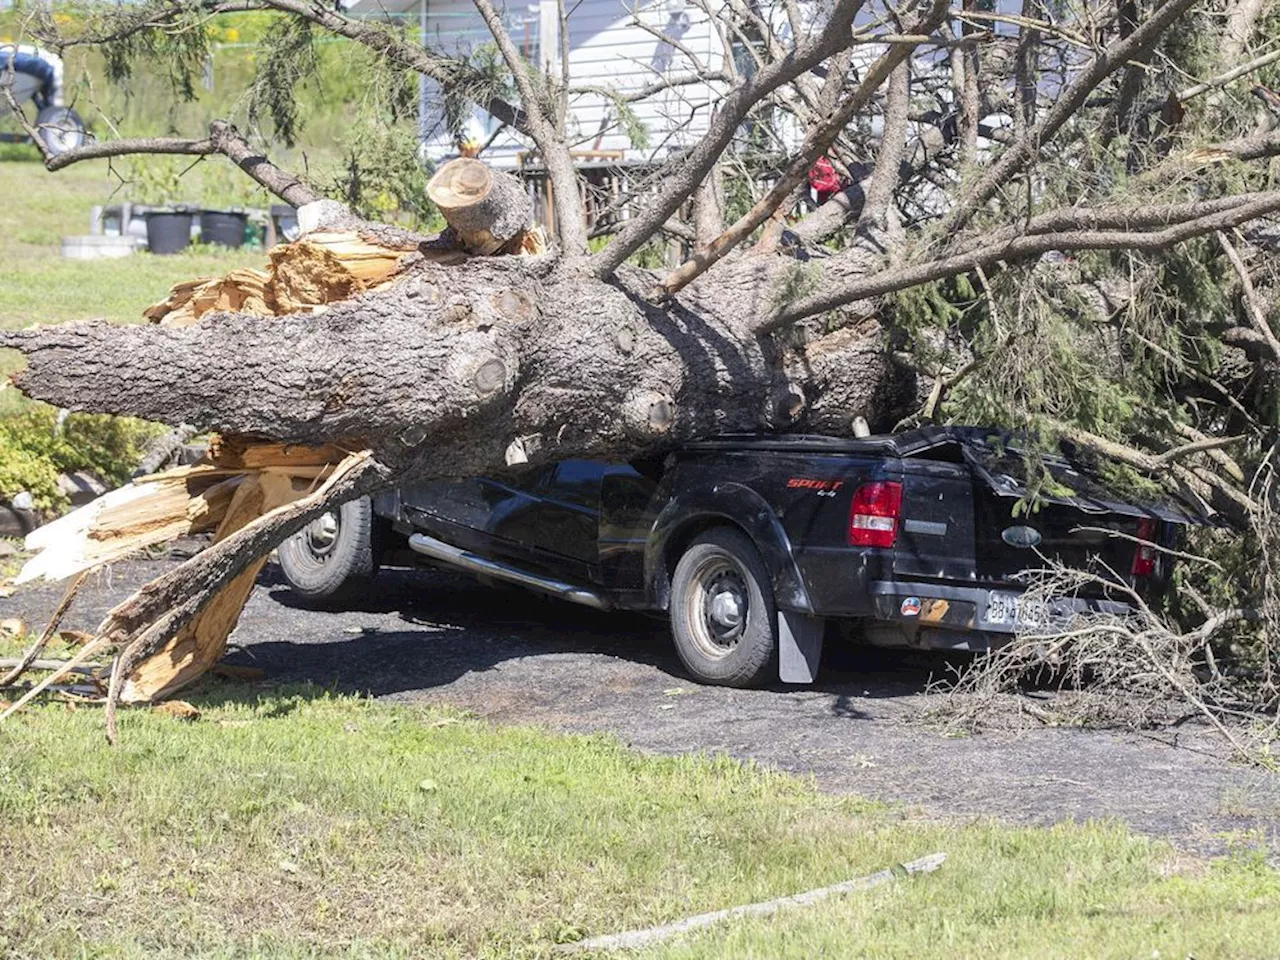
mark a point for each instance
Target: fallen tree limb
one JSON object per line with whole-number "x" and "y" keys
{"x": 164, "y": 449}
{"x": 223, "y": 138}
{"x": 81, "y": 656}
{"x": 88, "y": 669}
{"x": 642, "y": 938}
{"x": 218, "y": 580}
{"x": 198, "y": 645}
{"x": 26, "y": 662}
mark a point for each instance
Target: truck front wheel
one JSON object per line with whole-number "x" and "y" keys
{"x": 332, "y": 554}
{"x": 723, "y": 614}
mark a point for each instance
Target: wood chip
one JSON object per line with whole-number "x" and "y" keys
{"x": 178, "y": 709}
{"x": 320, "y": 269}
{"x": 230, "y": 451}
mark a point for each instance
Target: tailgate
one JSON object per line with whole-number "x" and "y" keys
{"x": 1009, "y": 543}
{"x": 936, "y": 535}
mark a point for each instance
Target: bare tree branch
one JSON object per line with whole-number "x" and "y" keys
{"x": 879, "y": 187}
{"x": 223, "y": 138}
{"x": 1259, "y": 146}
{"x": 570, "y": 218}
{"x": 834, "y": 36}
{"x": 816, "y": 143}
{"x": 1222, "y": 79}
{"x": 1024, "y": 148}
{"x": 1253, "y": 306}
{"x": 657, "y": 86}
{"x": 991, "y": 250}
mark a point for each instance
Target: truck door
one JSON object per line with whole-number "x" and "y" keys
{"x": 566, "y": 530}
{"x": 475, "y": 513}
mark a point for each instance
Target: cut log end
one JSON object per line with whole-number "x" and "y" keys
{"x": 487, "y": 209}
{"x": 648, "y": 414}
{"x": 460, "y": 183}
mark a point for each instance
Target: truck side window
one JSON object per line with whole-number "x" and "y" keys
{"x": 577, "y": 482}
{"x": 625, "y": 497}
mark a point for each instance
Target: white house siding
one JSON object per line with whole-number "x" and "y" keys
{"x": 607, "y": 50}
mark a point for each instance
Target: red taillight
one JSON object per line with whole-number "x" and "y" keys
{"x": 1144, "y": 558}
{"x": 873, "y": 517}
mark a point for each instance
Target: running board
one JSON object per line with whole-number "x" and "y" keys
{"x": 473, "y": 563}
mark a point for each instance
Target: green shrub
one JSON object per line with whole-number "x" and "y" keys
{"x": 35, "y": 449}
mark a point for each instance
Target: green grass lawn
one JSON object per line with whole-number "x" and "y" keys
{"x": 296, "y": 824}
{"x": 37, "y": 209}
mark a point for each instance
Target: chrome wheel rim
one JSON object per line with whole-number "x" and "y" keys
{"x": 322, "y": 534}
{"x": 718, "y": 606}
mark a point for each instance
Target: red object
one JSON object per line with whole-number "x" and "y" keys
{"x": 824, "y": 179}
{"x": 873, "y": 516}
{"x": 1144, "y": 558}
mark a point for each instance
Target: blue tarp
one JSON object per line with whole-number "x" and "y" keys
{"x": 34, "y": 66}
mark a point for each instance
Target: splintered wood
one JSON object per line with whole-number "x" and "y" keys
{"x": 202, "y": 642}
{"x": 244, "y": 479}
{"x": 240, "y": 480}
{"x": 320, "y": 269}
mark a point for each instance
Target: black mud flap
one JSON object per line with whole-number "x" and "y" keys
{"x": 799, "y": 646}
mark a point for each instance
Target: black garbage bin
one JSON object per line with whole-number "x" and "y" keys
{"x": 168, "y": 231}
{"x": 223, "y": 227}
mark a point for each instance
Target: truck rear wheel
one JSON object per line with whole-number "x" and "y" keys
{"x": 723, "y": 614}
{"x": 331, "y": 555}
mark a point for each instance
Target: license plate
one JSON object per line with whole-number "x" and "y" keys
{"x": 1010, "y": 609}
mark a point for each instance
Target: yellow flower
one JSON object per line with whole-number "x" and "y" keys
{"x": 61, "y": 18}
{"x": 232, "y": 34}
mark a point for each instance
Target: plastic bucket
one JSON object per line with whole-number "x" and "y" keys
{"x": 226, "y": 229}
{"x": 168, "y": 231}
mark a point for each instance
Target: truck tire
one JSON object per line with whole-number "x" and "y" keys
{"x": 61, "y": 129}
{"x": 332, "y": 555}
{"x": 723, "y": 614}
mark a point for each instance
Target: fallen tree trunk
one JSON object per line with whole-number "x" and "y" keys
{"x": 532, "y": 362}
{"x": 360, "y": 338}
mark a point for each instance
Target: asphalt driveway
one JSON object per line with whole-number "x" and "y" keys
{"x": 516, "y": 658}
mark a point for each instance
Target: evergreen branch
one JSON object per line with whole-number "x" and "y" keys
{"x": 451, "y": 72}
{"x": 1089, "y": 232}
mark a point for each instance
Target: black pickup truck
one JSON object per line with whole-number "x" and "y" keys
{"x": 754, "y": 546}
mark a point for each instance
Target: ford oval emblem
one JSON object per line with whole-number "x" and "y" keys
{"x": 1024, "y": 538}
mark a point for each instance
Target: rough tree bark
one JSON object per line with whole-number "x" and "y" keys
{"x": 534, "y": 357}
